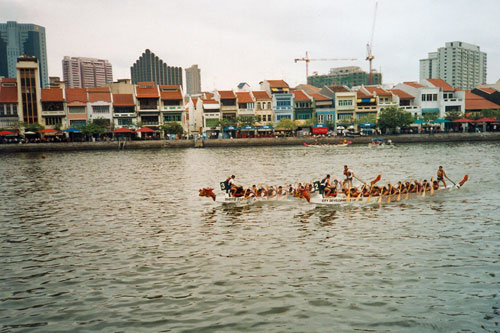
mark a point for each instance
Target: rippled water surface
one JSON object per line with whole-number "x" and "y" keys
{"x": 120, "y": 241}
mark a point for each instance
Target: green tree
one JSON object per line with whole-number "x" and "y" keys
{"x": 225, "y": 122}
{"x": 310, "y": 122}
{"x": 91, "y": 129}
{"x": 368, "y": 118}
{"x": 287, "y": 124}
{"x": 330, "y": 124}
{"x": 453, "y": 115}
{"x": 392, "y": 118}
{"x": 430, "y": 116}
{"x": 33, "y": 127}
{"x": 172, "y": 127}
{"x": 246, "y": 120}
{"x": 58, "y": 126}
{"x": 490, "y": 113}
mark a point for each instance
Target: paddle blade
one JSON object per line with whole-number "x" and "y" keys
{"x": 466, "y": 178}
{"x": 305, "y": 144}
{"x": 357, "y": 198}
{"x": 399, "y": 196}
{"x": 380, "y": 198}
{"x": 389, "y": 198}
{"x": 376, "y": 179}
{"x": 423, "y": 192}
{"x": 406, "y": 196}
{"x": 368, "y": 199}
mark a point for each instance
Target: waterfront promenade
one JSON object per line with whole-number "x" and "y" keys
{"x": 249, "y": 142}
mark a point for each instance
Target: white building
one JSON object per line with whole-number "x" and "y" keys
{"x": 460, "y": 64}
{"x": 81, "y": 72}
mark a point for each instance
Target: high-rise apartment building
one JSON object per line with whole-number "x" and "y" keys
{"x": 18, "y": 39}
{"x": 460, "y": 64}
{"x": 81, "y": 72}
{"x": 344, "y": 76}
{"x": 150, "y": 68}
{"x": 193, "y": 80}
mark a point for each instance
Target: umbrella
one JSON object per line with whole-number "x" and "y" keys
{"x": 29, "y": 133}
{"x": 340, "y": 127}
{"x": 265, "y": 127}
{"x": 350, "y": 127}
{"x": 145, "y": 130}
{"x": 7, "y": 133}
{"x": 367, "y": 124}
{"x": 419, "y": 121}
{"x": 440, "y": 121}
{"x": 462, "y": 120}
{"x": 230, "y": 128}
{"x": 484, "y": 120}
{"x": 48, "y": 130}
{"x": 123, "y": 130}
{"x": 72, "y": 130}
{"x": 319, "y": 125}
{"x": 248, "y": 128}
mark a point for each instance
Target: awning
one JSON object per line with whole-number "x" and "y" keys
{"x": 230, "y": 128}
{"x": 7, "y": 133}
{"x": 145, "y": 130}
{"x": 440, "y": 121}
{"x": 484, "y": 120}
{"x": 123, "y": 130}
{"x": 320, "y": 130}
{"x": 248, "y": 128}
{"x": 72, "y": 130}
{"x": 319, "y": 125}
{"x": 463, "y": 120}
{"x": 420, "y": 121}
{"x": 48, "y": 130}
{"x": 265, "y": 128}
{"x": 367, "y": 124}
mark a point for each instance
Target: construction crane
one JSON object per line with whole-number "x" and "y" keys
{"x": 369, "y": 47}
{"x": 306, "y": 59}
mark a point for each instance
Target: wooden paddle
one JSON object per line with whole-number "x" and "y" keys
{"x": 389, "y": 196}
{"x": 432, "y": 185}
{"x": 360, "y": 193}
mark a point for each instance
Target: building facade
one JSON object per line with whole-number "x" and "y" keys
{"x": 18, "y": 39}
{"x": 193, "y": 80}
{"x": 150, "y": 68}
{"x": 28, "y": 89}
{"x": 460, "y": 64}
{"x": 349, "y": 76}
{"x": 81, "y": 72}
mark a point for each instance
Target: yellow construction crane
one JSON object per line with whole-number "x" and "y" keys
{"x": 369, "y": 46}
{"x": 306, "y": 59}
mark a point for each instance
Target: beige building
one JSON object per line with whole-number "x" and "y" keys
{"x": 29, "y": 91}
{"x": 263, "y": 107}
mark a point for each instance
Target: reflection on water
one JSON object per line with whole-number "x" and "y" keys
{"x": 120, "y": 241}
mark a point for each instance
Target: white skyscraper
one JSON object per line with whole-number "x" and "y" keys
{"x": 460, "y": 64}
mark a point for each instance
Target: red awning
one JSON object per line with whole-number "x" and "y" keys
{"x": 123, "y": 130}
{"x": 485, "y": 120}
{"x": 463, "y": 120}
{"x": 320, "y": 130}
{"x": 7, "y": 133}
{"x": 48, "y": 130}
{"x": 145, "y": 130}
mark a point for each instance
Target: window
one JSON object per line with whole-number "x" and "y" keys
{"x": 320, "y": 118}
{"x": 50, "y": 121}
{"x": 279, "y": 117}
{"x": 283, "y": 103}
{"x": 345, "y": 102}
{"x": 172, "y": 117}
{"x": 77, "y": 123}
{"x": 100, "y": 109}
{"x": 124, "y": 121}
{"x": 76, "y": 109}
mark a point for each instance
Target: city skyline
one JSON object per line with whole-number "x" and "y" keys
{"x": 253, "y": 41}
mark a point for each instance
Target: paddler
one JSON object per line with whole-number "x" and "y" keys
{"x": 348, "y": 177}
{"x": 440, "y": 175}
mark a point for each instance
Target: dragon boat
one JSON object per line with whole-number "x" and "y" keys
{"x": 317, "y": 197}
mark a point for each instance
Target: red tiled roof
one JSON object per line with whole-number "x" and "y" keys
{"x": 244, "y": 97}
{"x": 413, "y": 84}
{"x": 52, "y": 95}
{"x": 440, "y": 83}
{"x": 476, "y": 102}
{"x": 227, "y": 94}
{"x": 260, "y": 95}
{"x": 401, "y": 94}
{"x": 319, "y": 97}
{"x": 379, "y": 91}
{"x": 361, "y": 94}
{"x": 300, "y": 96}
{"x": 169, "y": 95}
{"x": 99, "y": 95}
{"x": 277, "y": 84}
{"x": 338, "y": 88}
{"x": 8, "y": 94}
{"x": 488, "y": 90}
{"x": 74, "y": 95}
{"x": 209, "y": 101}
{"x": 123, "y": 100}
{"x": 147, "y": 90}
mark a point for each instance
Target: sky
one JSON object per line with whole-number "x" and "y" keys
{"x": 254, "y": 40}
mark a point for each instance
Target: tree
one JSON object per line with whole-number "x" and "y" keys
{"x": 368, "y": 118}
{"x": 392, "y": 118}
{"x": 287, "y": 124}
{"x": 453, "y": 115}
{"x": 246, "y": 120}
{"x": 173, "y": 127}
{"x": 430, "y": 116}
{"x": 33, "y": 127}
{"x": 489, "y": 113}
{"x": 91, "y": 128}
{"x": 225, "y": 122}
{"x": 330, "y": 124}
{"x": 310, "y": 122}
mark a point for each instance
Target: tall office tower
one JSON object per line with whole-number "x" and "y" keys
{"x": 19, "y": 39}
{"x": 81, "y": 72}
{"x": 344, "y": 76}
{"x": 150, "y": 68}
{"x": 193, "y": 80}
{"x": 29, "y": 91}
{"x": 461, "y": 65}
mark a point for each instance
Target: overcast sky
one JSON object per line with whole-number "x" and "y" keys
{"x": 252, "y": 40}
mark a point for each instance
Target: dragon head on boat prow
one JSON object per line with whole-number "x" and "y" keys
{"x": 207, "y": 192}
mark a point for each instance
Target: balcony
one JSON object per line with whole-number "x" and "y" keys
{"x": 47, "y": 113}
{"x": 246, "y": 112}
{"x": 124, "y": 115}
{"x": 284, "y": 108}
{"x": 176, "y": 108}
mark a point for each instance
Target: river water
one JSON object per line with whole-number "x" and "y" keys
{"x": 120, "y": 241}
